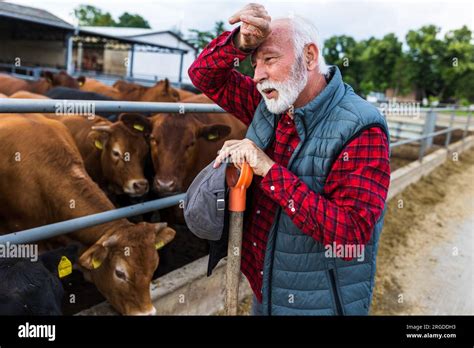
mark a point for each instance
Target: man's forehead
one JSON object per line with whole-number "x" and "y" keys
{"x": 278, "y": 40}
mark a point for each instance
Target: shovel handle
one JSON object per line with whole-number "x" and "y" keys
{"x": 238, "y": 185}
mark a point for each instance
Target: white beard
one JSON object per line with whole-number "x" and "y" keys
{"x": 288, "y": 91}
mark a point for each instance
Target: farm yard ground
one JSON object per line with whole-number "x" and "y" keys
{"x": 417, "y": 256}
{"x": 426, "y": 247}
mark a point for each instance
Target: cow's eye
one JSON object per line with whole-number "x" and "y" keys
{"x": 120, "y": 274}
{"x": 115, "y": 153}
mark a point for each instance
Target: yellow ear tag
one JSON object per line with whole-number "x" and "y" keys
{"x": 64, "y": 267}
{"x": 159, "y": 245}
{"x": 138, "y": 127}
{"x": 96, "y": 263}
{"x": 98, "y": 144}
{"x": 212, "y": 136}
{"x": 81, "y": 84}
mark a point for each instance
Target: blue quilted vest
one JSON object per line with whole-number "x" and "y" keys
{"x": 298, "y": 279}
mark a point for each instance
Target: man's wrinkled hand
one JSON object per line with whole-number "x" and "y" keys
{"x": 255, "y": 26}
{"x": 239, "y": 151}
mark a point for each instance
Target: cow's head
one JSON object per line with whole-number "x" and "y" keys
{"x": 123, "y": 147}
{"x": 121, "y": 264}
{"x": 161, "y": 92}
{"x": 179, "y": 143}
{"x": 61, "y": 79}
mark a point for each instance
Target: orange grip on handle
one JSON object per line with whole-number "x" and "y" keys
{"x": 238, "y": 186}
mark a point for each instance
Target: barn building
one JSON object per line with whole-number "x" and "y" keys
{"x": 33, "y": 40}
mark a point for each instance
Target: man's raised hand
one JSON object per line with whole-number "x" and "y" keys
{"x": 255, "y": 26}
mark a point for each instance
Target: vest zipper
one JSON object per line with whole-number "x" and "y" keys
{"x": 337, "y": 299}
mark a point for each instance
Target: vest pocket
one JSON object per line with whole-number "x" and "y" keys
{"x": 335, "y": 292}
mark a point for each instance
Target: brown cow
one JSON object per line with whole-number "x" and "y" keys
{"x": 183, "y": 144}
{"x": 160, "y": 92}
{"x": 10, "y": 84}
{"x": 183, "y": 94}
{"x": 27, "y": 95}
{"x": 114, "y": 153}
{"x": 44, "y": 181}
{"x": 91, "y": 85}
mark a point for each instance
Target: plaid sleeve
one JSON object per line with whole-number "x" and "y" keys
{"x": 353, "y": 197}
{"x": 213, "y": 73}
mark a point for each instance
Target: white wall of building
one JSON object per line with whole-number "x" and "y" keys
{"x": 148, "y": 64}
{"x": 160, "y": 64}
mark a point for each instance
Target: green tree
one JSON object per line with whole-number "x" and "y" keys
{"x": 380, "y": 58}
{"x": 457, "y": 65}
{"x": 345, "y": 52}
{"x": 132, "y": 21}
{"x": 425, "y": 55}
{"x": 93, "y": 16}
{"x": 201, "y": 39}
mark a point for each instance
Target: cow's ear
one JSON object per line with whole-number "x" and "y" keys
{"x": 214, "y": 132}
{"x": 81, "y": 80}
{"x": 166, "y": 84}
{"x": 136, "y": 122}
{"x": 99, "y": 135}
{"x": 163, "y": 234}
{"x": 93, "y": 257}
{"x": 49, "y": 76}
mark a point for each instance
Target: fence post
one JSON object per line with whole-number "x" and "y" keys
{"x": 448, "y": 135}
{"x": 430, "y": 121}
{"x": 466, "y": 130}
{"x": 399, "y": 130}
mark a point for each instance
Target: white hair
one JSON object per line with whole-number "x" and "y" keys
{"x": 304, "y": 32}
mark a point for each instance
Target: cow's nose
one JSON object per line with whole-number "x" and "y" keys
{"x": 165, "y": 185}
{"x": 140, "y": 186}
{"x": 136, "y": 187}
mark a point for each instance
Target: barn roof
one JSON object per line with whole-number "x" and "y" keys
{"x": 32, "y": 14}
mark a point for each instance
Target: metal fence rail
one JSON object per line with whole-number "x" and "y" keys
{"x": 68, "y": 226}
{"x": 55, "y": 105}
{"x": 52, "y": 106}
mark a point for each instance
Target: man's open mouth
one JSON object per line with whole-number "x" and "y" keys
{"x": 270, "y": 92}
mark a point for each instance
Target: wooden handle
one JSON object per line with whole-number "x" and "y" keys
{"x": 238, "y": 185}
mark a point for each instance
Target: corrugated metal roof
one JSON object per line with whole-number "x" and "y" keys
{"x": 98, "y": 33}
{"x": 138, "y": 34}
{"x": 32, "y": 14}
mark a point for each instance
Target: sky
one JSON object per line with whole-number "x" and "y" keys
{"x": 359, "y": 19}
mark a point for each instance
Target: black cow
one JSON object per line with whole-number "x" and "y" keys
{"x": 76, "y": 94}
{"x": 33, "y": 288}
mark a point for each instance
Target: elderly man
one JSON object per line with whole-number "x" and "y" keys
{"x": 321, "y": 158}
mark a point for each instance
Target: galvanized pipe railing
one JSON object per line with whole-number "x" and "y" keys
{"x": 56, "y": 106}
{"x": 68, "y": 226}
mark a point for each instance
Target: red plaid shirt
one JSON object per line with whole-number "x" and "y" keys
{"x": 353, "y": 198}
